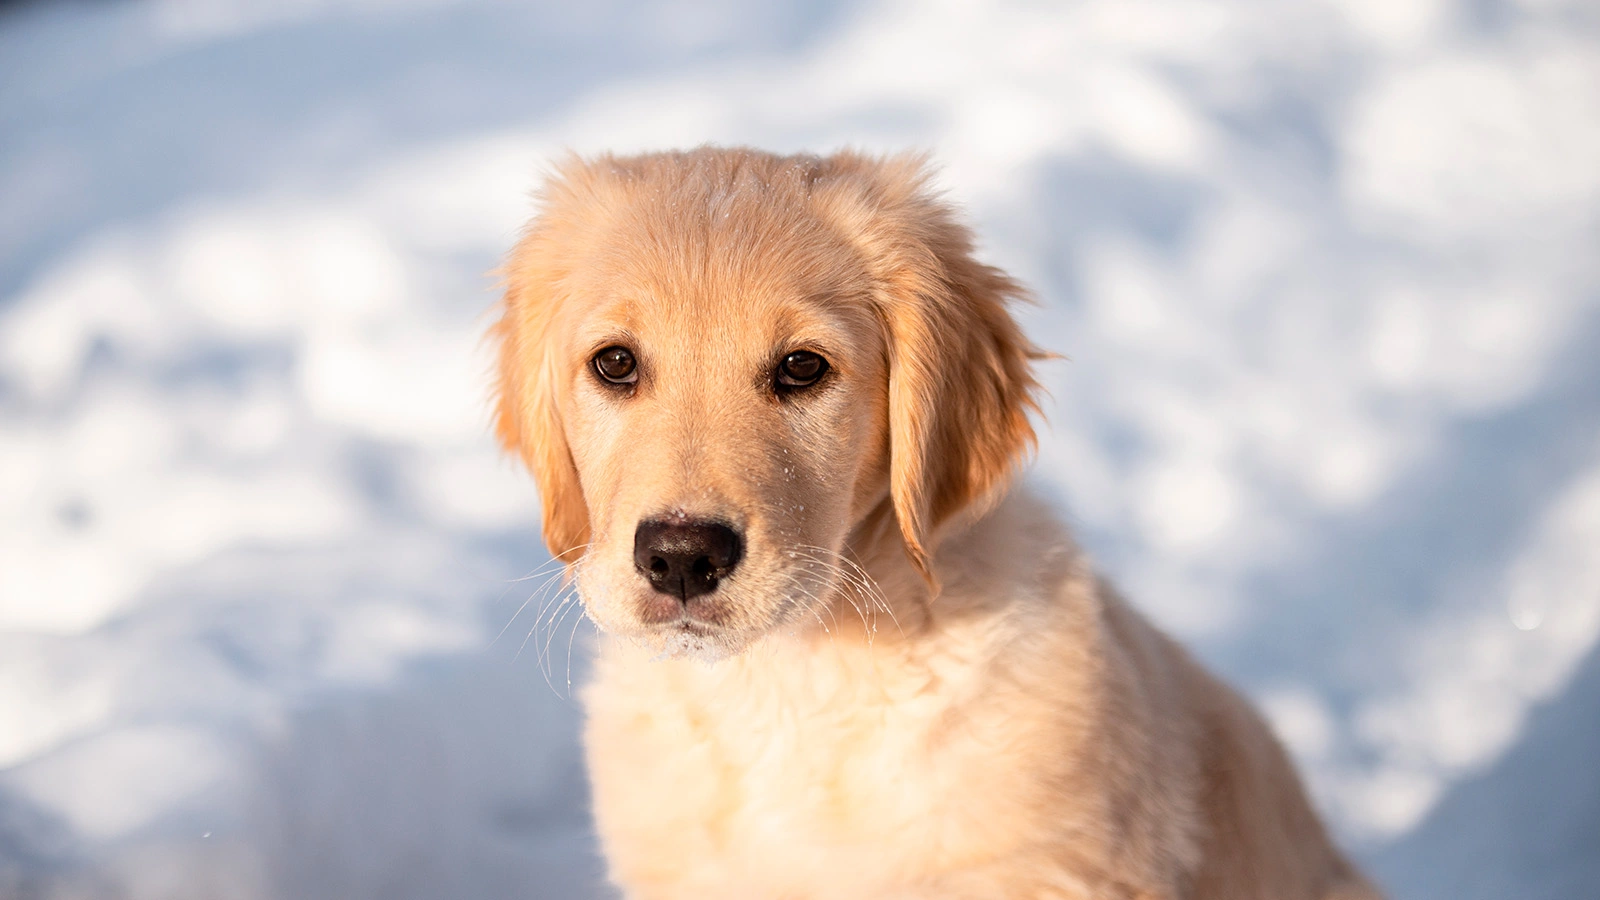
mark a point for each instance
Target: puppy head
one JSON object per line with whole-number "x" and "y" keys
{"x": 717, "y": 363}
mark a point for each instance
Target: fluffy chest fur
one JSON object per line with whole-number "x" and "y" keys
{"x": 771, "y": 771}
{"x": 833, "y": 766}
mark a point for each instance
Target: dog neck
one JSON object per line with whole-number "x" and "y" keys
{"x": 889, "y": 599}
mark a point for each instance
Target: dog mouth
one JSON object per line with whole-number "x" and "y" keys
{"x": 770, "y": 593}
{"x": 685, "y": 622}
{"x": 703, "y": 615}
{"x": 688, "y": 638}
{"x": 706, "y": 629}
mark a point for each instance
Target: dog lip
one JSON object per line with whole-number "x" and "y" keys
{"x": 691, "y": 624}
{"x": 665, "y": 611}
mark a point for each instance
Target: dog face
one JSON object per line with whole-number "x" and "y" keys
{"x": 718, "y": 364}
{"x": 726, "y": 427}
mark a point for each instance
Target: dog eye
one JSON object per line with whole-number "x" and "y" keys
{"x": 616, "y": 365}
{"x": 801, "y": 368}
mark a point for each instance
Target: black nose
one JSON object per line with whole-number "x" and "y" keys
{"x": 686, "y": 559}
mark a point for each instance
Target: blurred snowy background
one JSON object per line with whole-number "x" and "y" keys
{"x": 1327, "y": 273}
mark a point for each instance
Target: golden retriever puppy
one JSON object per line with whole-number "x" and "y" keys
{"x": 774, "y": 406}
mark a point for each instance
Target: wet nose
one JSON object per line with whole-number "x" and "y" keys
{"x": 686, "y": 559}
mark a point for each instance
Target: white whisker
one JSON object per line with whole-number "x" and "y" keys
{"x": 555, "y": 628}
{"x": 855, "y": 580}
{"x": 537, "y": 591}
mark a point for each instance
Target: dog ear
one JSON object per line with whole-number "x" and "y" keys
{"x": 527, "y": 405}
{"x": 960, "y": 374}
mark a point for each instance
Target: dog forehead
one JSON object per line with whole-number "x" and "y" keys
{"x": 721, "y": 268}
{"x": 737, "y": 233}
{"x": 701, "y": 321}
{"x": 702, "y": 293}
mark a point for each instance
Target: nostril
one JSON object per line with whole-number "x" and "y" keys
{"x": 686, "y": 558}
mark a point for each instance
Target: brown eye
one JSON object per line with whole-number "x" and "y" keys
{"x": 616, "y": 365}
{"x": 799, "y": 369}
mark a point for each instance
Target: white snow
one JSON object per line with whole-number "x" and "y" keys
{"x": 1325, "y": 274}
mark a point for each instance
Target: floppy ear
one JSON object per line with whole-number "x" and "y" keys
{"x": 960, "y": 378}
{"x": 527, "y": 413}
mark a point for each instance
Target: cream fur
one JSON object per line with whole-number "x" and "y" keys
{"x": 913, "y": 686}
